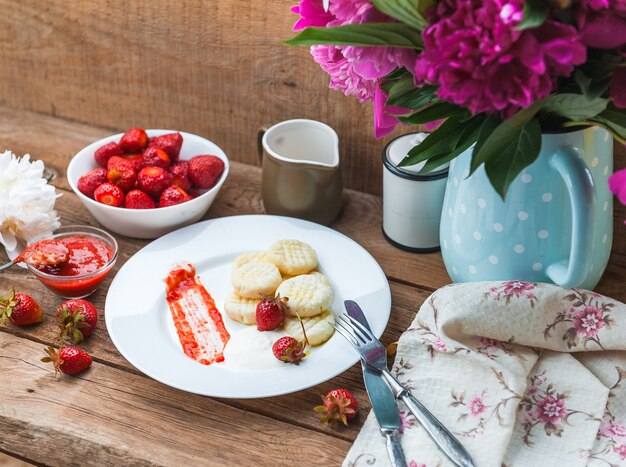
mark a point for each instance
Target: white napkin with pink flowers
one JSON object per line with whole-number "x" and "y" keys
{"x": 523, "y": 374}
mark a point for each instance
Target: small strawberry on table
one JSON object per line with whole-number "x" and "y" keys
{"x": 77, "y": 319}
{"x": 21, "y": 309}
{"x": 69, "y": 360}
{"x": 338, "y": 405}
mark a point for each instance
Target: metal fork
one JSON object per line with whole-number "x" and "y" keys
{"x": 370, "y": 350}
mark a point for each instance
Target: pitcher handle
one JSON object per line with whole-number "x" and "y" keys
{"x": 259, "y": 141}
{"x": 582, "y": 195}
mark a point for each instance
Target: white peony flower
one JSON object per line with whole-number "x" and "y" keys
{"x": 26, "y": 202}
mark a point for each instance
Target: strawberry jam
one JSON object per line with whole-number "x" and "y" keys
{"x": 87, "y": 263}
{"x": 198, "y": 322}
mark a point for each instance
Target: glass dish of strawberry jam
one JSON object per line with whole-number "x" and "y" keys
{"x": 87, "y": 256}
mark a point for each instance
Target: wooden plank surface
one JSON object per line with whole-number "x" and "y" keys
{"x": 214, "y": 68}
{"x": 192, "y": 421}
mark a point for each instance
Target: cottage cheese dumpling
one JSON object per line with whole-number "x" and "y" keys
{"x": 292, "y": 257}
{"x": 241, "y": 309}
{"x": 308, "y": 295}
{"x": 247, "y": 257}
{"x": 255, "y": 278}
{"x": 318, "y": 328}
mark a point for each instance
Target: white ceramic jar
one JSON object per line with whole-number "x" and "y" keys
{"x": 412, "y": 202}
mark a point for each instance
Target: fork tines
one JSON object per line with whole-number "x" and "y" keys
{"x": 355, "y": 330}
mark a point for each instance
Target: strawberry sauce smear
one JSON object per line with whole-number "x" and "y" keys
{"x": 198, "y": 322}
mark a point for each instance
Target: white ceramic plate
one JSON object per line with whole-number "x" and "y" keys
{"x": 139, "y": 322}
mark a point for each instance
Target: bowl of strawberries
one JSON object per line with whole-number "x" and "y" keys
{"x": 146, "y": 183}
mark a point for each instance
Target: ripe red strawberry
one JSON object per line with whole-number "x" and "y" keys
{"x": 77, "y": 319}
{"x": 156, "y": 157}
{"x": 20, "y": 309}
{"x": 69, "y": 360}
{"x": 123, "y": 177}
{"x": 338, "y": 405}
{"x": 91, "y": 180}
{"x": 170, "y": 143}
{"x": 205, "y": 171}
{"x": 180, "y": 175}
{"x": 173, "y": 195}
{"x": 109, "y": 194}
{"x": 136, "y": 160}
{"x": 290, "y": 350}
{"x": 153, "y": 180}
{"x": 134, "y": 140}
{"x": 104, "y": 153}
{"x": 118, "y": 162}
{"x": 270, "y": 313}
{"x": 137, "y": 199}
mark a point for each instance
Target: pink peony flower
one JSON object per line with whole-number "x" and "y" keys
{"x": 589, "y": 321}
{"x": 356, "y": 70}
{"x": 481, "y": 62}
{"x": 312, "y": 14}
{"x": 596, "y": 17}
{"x": 617, "y": 184}
{"x": 550, "y": 409}
{"x": 477, "y": 405}
{"x": 384, "y": 115}
{"x": 517, "y": 287}
{"x": 343, "y": 77}
{"x": 620, "y": 451}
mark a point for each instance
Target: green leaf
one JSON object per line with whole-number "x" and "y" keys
{"x": 396, "y": 74}
{"x": 519, "y": 153}
{"x": 434, "y": 112}
{"x": 615, "y": 115}
{"x": 488, "y": 126}
{"x": 535, "y": 14}
{"x": 403, "y": 93}
{"x": 367, "y": 34}
{"x": 407, "y": 11}
{"x": 468, "y": 136}
{"x": 506, "y": 132}
{"x": 591, "y": 88}
{"x": 440, "y": 139}
{"x": 575, "y": 106}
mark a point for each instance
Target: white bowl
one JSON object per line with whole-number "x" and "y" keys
{"x": 148, "y": 223}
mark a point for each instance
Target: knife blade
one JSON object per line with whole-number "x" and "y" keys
{"x": 382, "y": 398}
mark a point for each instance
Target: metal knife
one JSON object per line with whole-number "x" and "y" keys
{"x": 382, "y": 398}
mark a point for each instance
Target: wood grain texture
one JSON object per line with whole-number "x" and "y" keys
{"x": 412, "y": 278}
{"x": 214, "y": 68}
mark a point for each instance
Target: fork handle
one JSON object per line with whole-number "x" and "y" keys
{"x": 444, "y": 439}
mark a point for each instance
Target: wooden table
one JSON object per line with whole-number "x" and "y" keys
{"x": 114, "y": 415}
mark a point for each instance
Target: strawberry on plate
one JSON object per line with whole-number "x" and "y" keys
{"x": 289, "y": 349}
{"x": 156, "y": 157}
{"x": 123, "y": 177}
{"x": 338, "y": 405}
{"x": 137, "y": 199}
{"x": 134, "y": 140}
{"x": 69, "y": 360}
{"x": 153, "y": 180}
{"x": 77, "y": 319}
{"x": 173, "y": 195}
{"x": 170, "y": 143}
{"x": 91, "y": 180}
{"x": 270, "y": 313}
{"x": 205, "y": 171}
{"x": 104, "y": 153}
{"x": 109, "y": 194}
{"x": 20, "y": 309}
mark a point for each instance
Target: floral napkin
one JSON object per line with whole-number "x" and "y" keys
{"x": 523, "y": 374}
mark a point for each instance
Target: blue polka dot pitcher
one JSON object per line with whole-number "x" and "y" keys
{"x": 555, "y": 225}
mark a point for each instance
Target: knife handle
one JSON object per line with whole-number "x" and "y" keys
{"x": 394, "y": 448}
{"x": 444, "y": 439}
